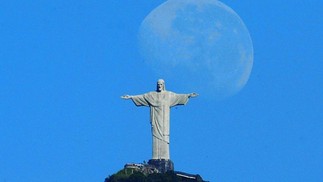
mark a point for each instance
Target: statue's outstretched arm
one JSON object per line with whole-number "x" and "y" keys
{"x": 192, "y": 95}
{"x": 126, "y": 97}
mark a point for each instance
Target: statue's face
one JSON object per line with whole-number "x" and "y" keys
{"x": 160, "y": 86}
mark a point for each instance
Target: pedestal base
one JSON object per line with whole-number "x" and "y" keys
{"x": 162, "y": 165}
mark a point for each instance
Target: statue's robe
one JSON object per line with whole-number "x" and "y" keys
{"x": 160, "y": 104}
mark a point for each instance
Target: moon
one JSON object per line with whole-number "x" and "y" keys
{"x": 199, "y": 45}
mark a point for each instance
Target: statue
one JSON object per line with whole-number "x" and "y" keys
{"x": 160, "y": 102}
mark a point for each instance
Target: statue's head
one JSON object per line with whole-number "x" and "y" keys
{"x": 161, "y": 85}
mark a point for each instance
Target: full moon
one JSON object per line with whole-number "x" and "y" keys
{"x": 199, "y": 45}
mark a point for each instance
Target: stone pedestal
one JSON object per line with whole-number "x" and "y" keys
{"x": 162, "y": 165}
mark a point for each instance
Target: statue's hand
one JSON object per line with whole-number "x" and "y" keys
{"x": 126, "y": 97}
{"x": 193, "y": 95}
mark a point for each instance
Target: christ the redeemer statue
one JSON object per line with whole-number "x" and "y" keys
{"x": 160, "y": 102}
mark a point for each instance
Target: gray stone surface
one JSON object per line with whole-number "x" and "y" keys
{"x": 162, "y": 165}
{"x": 160, "y": 102}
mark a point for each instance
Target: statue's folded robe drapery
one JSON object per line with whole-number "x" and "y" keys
{"x": 160, "y": 104}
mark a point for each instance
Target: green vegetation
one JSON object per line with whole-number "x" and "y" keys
{"x": 124, "y": 176}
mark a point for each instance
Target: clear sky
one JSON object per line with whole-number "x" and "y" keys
{"x": 65, "y": 63}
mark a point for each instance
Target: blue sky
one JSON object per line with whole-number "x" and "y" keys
{"x": 65, "y": 64}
